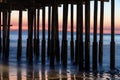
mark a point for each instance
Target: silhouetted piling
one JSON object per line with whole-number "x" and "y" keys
{"x": 80, "y": 35}
{"x": 43, "y": 53}
{"x": 8, "y": 34}
{"x": 49, "y": 31}
{"x": 37, "y": 40}
{"x": 0, "y": 35}
{"x": 87, "y": 35}
{"x": 35, "y": 30}
{"x": 53, "y": 36}
{"x": 112, "y": 43}
{"x": 4, "y": 33}
{"x": 19, "y": 47}
{"x": 36, "y": 35}
{"x": 64, "y": 36}
{"x": 30, "y": 36}
{"x": 72, "y": 37}
{"x": 101, "y": 33}
{"x": 95, "y": 44}
{"x": 57, "y": 36}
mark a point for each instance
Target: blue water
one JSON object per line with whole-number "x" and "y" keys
{"x": 106, "y": 43}
{"x": 71, "y": 69}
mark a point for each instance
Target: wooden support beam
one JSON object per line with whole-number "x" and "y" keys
{"x": 53, "y": 38}
{"x": 37, "y": 40}
{"x": 35, "y": 31}
{"x": 101, "y": 33}
{"x": 57, "y": 46}
{"x": 95, "y": 44}
{"x": 0, "y": 35}
{"x": 112, "y": 43}
{"x": 87, "y": 35}
{"x": 79, "y": 40}
{"x": 8, "y": 34}
{"x": 19, "y": 47}
{"x": 72, "y": 35}
{"x": 43, "y": 53}
{"x": 64, "y": 36}
{"x": 30, "y": 36}
{"x": 4, "y": 32}
{"x": 49, "y": 31}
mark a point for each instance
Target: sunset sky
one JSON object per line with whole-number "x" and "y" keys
{"x": 107, "y": 14}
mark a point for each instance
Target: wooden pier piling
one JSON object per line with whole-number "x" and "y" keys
{"x": 57, "y": 36}
{"x": 95, "y": 44}
{"x": 72, "y": 37}
{"x": 0, "y": 35}
{"x": 87, "y": 35}
{"x": 101, "y": 33}
{"x": 4, "y": 33}
{"x": 38, "y": 40}
{"x": 8, "y": 34}
{"x": 112, "y": 43}
{"x": 19, "y": 45}
{"x": 30, "y": 36}
{"x": 53, "y": 36}
{"x": 64, "y": 36}
{"x": 80, "y": 35}
{"x": 35, "y": 31}
{"x": 49, "y": 31}
{"x": 43, "y": 53}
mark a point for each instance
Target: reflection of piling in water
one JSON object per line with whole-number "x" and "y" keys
{"x": 19, "y": 71}
{"x": 36, "y": 72}
{"x": 101, "y": 33}
{"x": 5, "y": 71}
{"x": 95, "y": 44}
{"x": 19, "y": 46}
{"x": 43, "y": 53}
{"x": 64, "y": 36}
{"x": 49, "y": 31}
{"x": 30, "y": 35}
{"x": 112, "y": 43}
{"x": 87, "y": 35}
{"x": 72, "y": 38}
{"x": 29, "y": 72}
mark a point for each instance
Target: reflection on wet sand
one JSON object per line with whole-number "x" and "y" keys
{"x": 41, "y": 73}
{"x": 37, "y": 72}
{"x": 19, "y": 75}
{"x": 5, "y": 70}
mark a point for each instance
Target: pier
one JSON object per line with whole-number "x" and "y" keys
{"x": 52, "y": 48}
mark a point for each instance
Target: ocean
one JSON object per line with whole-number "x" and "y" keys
{"x": 22, "y": 71}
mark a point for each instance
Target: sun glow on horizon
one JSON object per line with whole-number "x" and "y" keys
{"x": 107, "y": 18}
